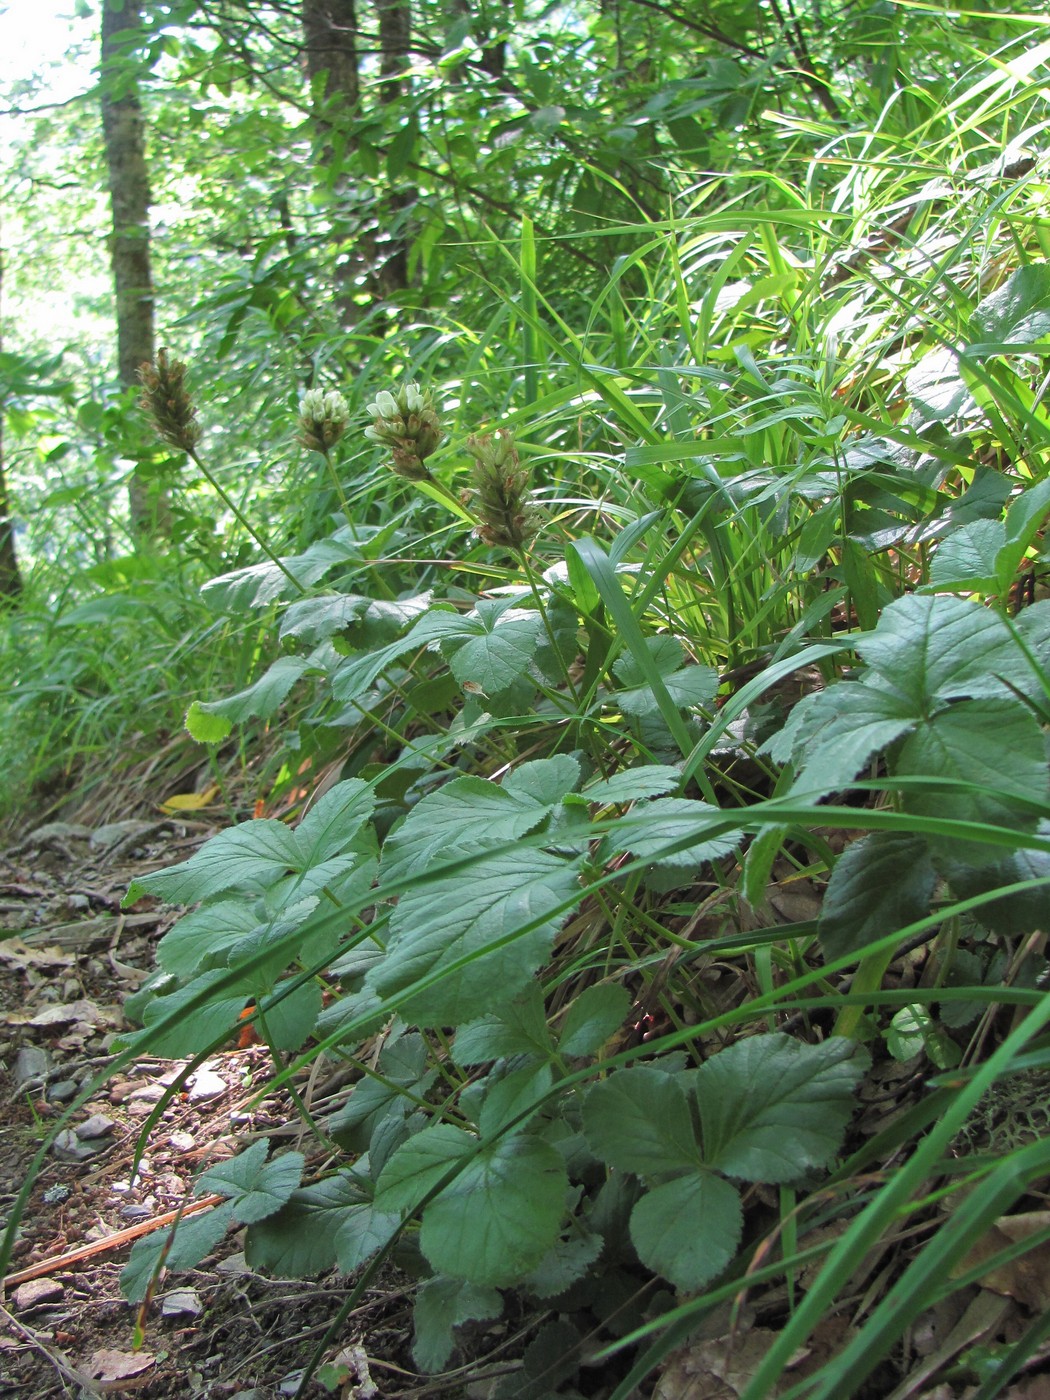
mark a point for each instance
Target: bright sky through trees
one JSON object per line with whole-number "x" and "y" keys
{"x": 42, "y": 38}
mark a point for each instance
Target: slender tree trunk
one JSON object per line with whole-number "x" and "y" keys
{"x": 395, "y": 36}
{"x": 10, "y": 577}
{"x": 370, "y": 247}
{"x": 123, "y": 129}
{"x": 330, "y": 31}
{"x": 330, "y": 35}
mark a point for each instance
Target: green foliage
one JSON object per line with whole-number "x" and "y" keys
{"x": 787, "y": 430}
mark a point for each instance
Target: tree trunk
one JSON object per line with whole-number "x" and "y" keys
{"x": 370, "y": 249}
{"x": 330, "y": 34}
{"x": 123, "y": 130}
{"x": 330, "y": 31}
{"x": 10, "y": 577}
{"x": 395, "y": 35}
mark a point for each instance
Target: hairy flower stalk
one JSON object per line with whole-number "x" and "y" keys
{"x": 323, "y": 419}
{"x": 408, "y": 423}
{"x": 506, "y": 515}
{"x": 166, "y": 400}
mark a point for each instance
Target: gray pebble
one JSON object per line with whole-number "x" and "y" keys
{"x": 30, "y": 1063}
{"x": 98, "y": 1125}
{"x": 67, "y": 1147}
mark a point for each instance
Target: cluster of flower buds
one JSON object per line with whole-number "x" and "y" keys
{"x": 506, "y": 516}
{"x": 408, "y": 423}
{"x": 166, "y": 400}
{"x": 323, "y": 419}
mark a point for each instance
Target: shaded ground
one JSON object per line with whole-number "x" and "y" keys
{"x": 67, "y": 961}
{"x": 68, "y": 957}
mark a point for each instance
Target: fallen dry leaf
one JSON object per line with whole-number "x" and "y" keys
{"x": 1031, "y": 1388}
{"x": 190, "y": 801}
{"x": 113, "y": 1368}
{"x": 17, "y": 953}
{"x": 718, "y": 1368}
{"x": 1026, "y": 1279}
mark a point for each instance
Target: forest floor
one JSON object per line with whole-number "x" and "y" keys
{"x": 69, "y": 956}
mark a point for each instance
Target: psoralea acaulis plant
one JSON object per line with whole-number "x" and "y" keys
{"x": 408, "y": 423}
{"x": 166, "y": 400}
{"x": 505, "y": 514}
{"x": 323, "y": 419}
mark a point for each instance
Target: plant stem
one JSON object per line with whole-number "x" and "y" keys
{"x": 343, "y": 502}
{"x": 244, "y": 522}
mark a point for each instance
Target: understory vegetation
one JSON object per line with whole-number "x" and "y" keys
{"x": 620, "y": 652}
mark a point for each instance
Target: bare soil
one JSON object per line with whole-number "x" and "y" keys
{"x": 68, "y": 957}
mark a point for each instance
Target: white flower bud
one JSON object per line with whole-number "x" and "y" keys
{"x": 387, "y": 404}
{"x": 335, "y": 407}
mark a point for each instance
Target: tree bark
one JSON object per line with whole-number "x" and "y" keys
{"x": 330, "y": 36}
{"x": 123, "y": 129}
{"x": 330, "y": 31}
{"x": 370, "y": 249}
{"x": 10, "y": 576}
{"x": 395, "y": 36}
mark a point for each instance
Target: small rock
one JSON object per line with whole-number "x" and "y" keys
{"x": 77, "y": 903}
{"x": 182, "y": 1142}
{"x": 67, "y": 1011}
{"x": 56, "y": 831}
{"x": 55, "y": 1195}
{"x": 38, "y": 1291}
{"x": 67, "y": 1147}
{"x": 103, "y": 837}
{"x": 110, "y": 1366}
{"x": 134, "y": 1212}
{"x": 181, "y": 1302}
{"x": 30, "y": 1063}
{"x": 63, "y": 1091}
{"x": 234, "y": 1264}
{"x": 206, "y": 1084}
{"x": 146, "y": 1093}
{"x": 98, "y": 1125}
